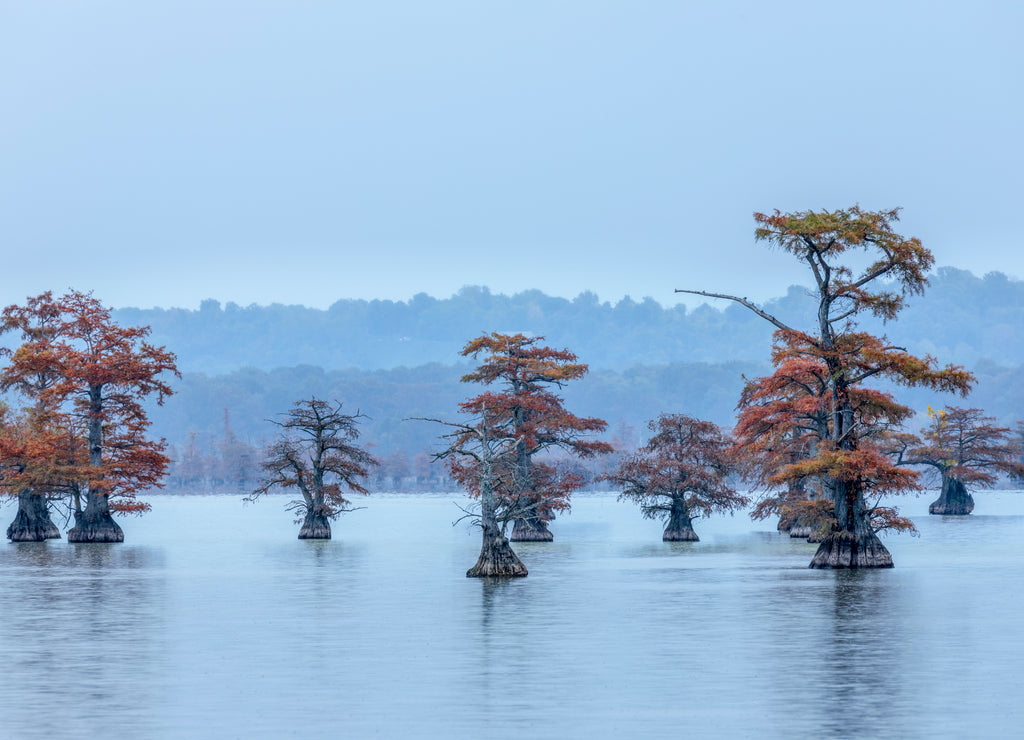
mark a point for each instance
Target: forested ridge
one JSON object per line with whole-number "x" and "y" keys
{"x": 961, "y": 318}
{"x": 389, "y": 398}
{"x": 396, "y": 360}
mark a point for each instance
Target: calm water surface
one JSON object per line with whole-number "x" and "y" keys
{"x": 212, "y": 620}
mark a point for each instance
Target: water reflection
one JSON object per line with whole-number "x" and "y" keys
{"x": 681, "y": 548}
{"x": 491, "y": 593}
{"x": 493, "y": 640}
{"x": 614, "y": 633}
{"x": 87, "y": 621}
{"x": 860, "y": 663}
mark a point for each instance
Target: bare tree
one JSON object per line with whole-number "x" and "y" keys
{"x": 316, "y": 453}
{"x": 489, "y": 443}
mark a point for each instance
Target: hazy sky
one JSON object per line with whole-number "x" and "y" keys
{"x": 160, "y": 153}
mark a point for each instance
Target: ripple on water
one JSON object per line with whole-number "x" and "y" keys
{"x": 213, "y": 620}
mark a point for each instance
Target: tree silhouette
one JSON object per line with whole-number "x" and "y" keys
{"x": 526, "y": 371}
{"x": 849, "y": 468}
{"x": 680, "y": 474}
{"x": 317, "y": 454}
{"x": 967, "y": 449}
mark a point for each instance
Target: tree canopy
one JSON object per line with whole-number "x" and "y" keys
{"x": 680, "y": 474}
{"x": 316, "y": 453}
{"x": 967, "y": 449}
{"x": 525, "y": 371}
{"x": 86, "y": 380}
{"x": 819, "y": 395}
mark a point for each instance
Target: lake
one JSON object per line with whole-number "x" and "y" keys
{"x": 213, "y": 620}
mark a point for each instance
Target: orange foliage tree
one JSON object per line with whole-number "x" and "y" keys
{"x": 966, "y": 448}
{"x": 781, "y": 422}
{"x": 107, "y": 371}
{"x": 40, "y": 460}
{"x": 785, "y": 418}
{"x": 526, "y": 371}
{"x": 680, "y": 474}
{"x": 32, "y": 442}
{"x": 97, "y": 376}
{"x": 848, "y": 465}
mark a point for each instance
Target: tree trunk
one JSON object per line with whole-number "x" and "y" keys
{"x": 95, "y": 524}
{"x": 810, "y": 524}
{"x": 316, "y": 525}
{"x": 531, "y": 528}
{"x": 497, "y": 559}
{"x": 32, "y": 523}
{"x": 815, "y": 535}
{"x": 787, "y": 519}
{"x": 954, "y": 500}
{"x": 852, "y": 543}
{"x": 680, "y": 525}
{"x": 806, "y": 526}
{"x": 795, "y": 526}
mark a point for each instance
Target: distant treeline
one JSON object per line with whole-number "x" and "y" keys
{"x": 396, "y": 360}
{"x": 221, "y": 452}
{"x": 195, "y": 415}
{"x": 961, "y": 318}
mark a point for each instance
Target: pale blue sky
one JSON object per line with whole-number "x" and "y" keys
{"x": 300, "y": 152}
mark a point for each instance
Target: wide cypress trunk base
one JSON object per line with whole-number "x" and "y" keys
{"x": 954, "y": 500}
{"x": 99, "y": 527}
{"x": 315, "y": 527}
{"x": 848, "y": 550}
{"x": 32, "y": 523}
{"x": 680, "y": 534}
{"x": 497, "y": 560}
{"x": 801, "y": 531}
{"x": 531, "y": 530}
{"x": 679, "y": 527}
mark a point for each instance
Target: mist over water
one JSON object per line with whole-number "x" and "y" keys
{"x": 212, "y": 620}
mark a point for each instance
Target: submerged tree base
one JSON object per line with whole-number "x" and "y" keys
{"x": 531, "y": 530}
{"x": 680, "y": 534}
{"x": 497, "y": 560}
{"x": 315, "y": 527}
{"x": 954, "y": 500}
{"x": 807, "y": 524}
{"x": 951, "y": 508}
{"x": 847, "y": 550}
{"x": 816, "y": 535}
{"x": 98, "y": 528}
{"x": 24, "y": 531}
{"x": 32, "y": 523}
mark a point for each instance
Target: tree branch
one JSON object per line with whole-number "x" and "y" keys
{"x": 743, "y": 302}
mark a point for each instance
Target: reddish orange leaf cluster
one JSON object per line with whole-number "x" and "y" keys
{"x": 967, "y": 445}
{"x": 815, "y": 423}
{"x": 84, "y": 429}
{"x": 537, "y": 420}
{"x": 680, "y": 474}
